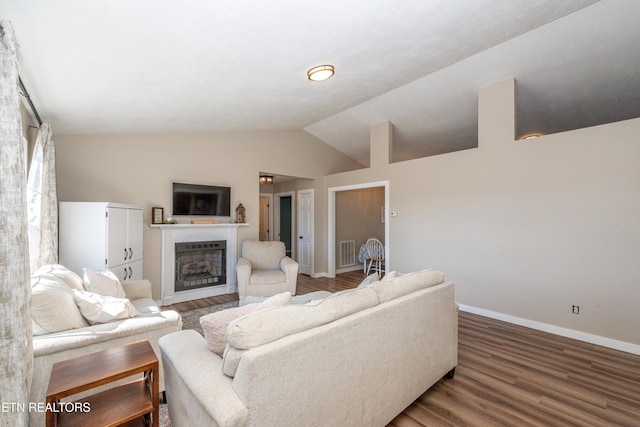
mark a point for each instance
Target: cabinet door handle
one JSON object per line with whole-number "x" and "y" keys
{"x": 130, "y": 253}
{"x": 125, "y": 254}
{"x": 130, "y": 273}
{"x": 125, "y": 273}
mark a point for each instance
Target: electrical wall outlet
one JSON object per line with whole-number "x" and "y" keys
{"x": 575, "y": 309}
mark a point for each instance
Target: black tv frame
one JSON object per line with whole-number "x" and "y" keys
{"x": 201, "y": 200}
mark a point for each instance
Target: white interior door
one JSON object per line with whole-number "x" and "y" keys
{"x": 305, "y": 231}
{"x": 264, "y": 232}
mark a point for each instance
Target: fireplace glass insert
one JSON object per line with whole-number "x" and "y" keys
{"x": 200, "y": 265}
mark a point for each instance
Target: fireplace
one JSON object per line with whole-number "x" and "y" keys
{"x": 200, "y": 264}
{"x": 173, "y": 234}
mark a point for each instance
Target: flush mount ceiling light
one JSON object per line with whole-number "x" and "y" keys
{"x": 531, "y": 136}
{"x": 320, "y": 73}
{"x": 266, "y": 179}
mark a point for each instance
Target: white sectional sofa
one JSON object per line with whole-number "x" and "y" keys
{"x": 53, "y": 308}
{"x": 356, "y": 358}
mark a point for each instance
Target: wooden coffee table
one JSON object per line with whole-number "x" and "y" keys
{"x": 134, "y": 403}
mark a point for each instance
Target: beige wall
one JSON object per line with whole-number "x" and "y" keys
{"x": 294, "y": 185}
{"x": 139, "y": 169}
{"x": 524, "y": 228}
{"x": 358, "y": 217}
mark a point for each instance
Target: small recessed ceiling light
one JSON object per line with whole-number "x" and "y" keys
{"x": 320, "y": 73}
{"x": 530, "y": 136}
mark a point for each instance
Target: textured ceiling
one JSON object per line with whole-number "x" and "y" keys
{"x": 164, "y": 66}
{"x": 580, "y": 70}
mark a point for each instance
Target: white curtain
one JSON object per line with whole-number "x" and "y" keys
{"x": 16, "y": 347}
{"x": 42, "y": 201}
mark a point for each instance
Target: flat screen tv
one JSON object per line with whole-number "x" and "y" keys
{"x": 201, "y": 200}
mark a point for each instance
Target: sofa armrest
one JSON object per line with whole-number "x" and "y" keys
{"x": 198, "y": 392}
{"x": 289, "y": 267}
{"x": 243, "y": 274}
{"x": 137, "y": 289}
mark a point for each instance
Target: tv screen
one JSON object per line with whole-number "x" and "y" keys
{"x": 201, "y": 200}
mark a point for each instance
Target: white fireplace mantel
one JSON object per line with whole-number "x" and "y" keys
{"x": 177, "y": 233}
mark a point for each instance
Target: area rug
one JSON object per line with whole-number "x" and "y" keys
{"x": 191, "y": 320}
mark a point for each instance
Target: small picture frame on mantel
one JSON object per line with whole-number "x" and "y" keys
{"x": 157, "y": 215}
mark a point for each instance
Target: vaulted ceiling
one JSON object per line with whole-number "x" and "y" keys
{"x": 165, "y": 66}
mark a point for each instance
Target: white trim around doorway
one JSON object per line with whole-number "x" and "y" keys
{"x": 331, "y": 237}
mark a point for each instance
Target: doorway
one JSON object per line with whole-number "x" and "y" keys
{"x": 283, "y": 221}
{"x": 280, "y": 216}
{"x": 331, "y": 237}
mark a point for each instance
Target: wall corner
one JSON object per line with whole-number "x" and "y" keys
{"x": 380, "y": 144}
{"x": 497, "y": 114}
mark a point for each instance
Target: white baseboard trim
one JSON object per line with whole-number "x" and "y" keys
{"x": 318, "y": 275}
{"x": 348, "y": 269}
{"x": 557, "y": 330}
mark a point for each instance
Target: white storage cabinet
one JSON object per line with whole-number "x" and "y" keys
{"x": 101, "y": 235}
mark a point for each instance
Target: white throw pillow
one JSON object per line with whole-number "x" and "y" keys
{"x": 103, "y": 309}
{"x": 63, "y": 273}
{"x": 104, "y": 283}
{"x": 369, "y": 280}
{"x": 215, "y": 325}
{"x": 53, "y": 307}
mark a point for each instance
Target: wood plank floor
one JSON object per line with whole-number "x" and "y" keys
{"x": 508, "y": 375}
{"x": 305, "y": 284}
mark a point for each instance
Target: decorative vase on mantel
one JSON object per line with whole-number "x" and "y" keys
{"x": 240, "y": 214}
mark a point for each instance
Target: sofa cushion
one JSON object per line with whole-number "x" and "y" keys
{"x": 53, "y": 307}
{"x": 263, "y": 255}
{"x": 104, "y": 283}
{"x": 406, "y": 283}
{"x": 231, "y": 360}
{"x": 150, "y": 326}
{"x": 63, "y": 273}
{"x": 390, "y": 276}
{"x": 260, "y": 328}
{"x": 98, "y": 308}
{"x": 267, "y": 276}
{"x": 214, "y": 325}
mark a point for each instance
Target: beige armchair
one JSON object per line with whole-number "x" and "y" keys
{"x": 265, "y": 270}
